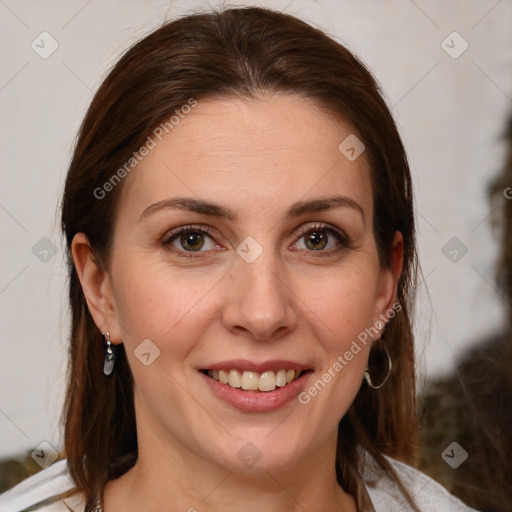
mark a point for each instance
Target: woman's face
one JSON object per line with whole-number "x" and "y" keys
{"x": 279, "y": 272}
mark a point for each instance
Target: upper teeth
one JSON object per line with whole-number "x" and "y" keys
{"x": 253, "y": 381}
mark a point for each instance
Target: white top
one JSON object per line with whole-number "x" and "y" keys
{"x": 427, "y": 493}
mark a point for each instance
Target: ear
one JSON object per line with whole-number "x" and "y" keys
{"x": 96, "y": 286}
{"x": 388, "y": 282}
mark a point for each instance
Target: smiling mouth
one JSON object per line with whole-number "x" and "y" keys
{"x": 254, "y": 381}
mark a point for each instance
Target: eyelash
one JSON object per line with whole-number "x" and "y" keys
{"x": 343, "y": 239}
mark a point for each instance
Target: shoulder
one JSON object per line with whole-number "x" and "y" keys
{"x": 42, "y": 486}
{"x": 429, "y": 495}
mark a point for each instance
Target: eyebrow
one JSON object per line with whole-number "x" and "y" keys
{"x": 208, "y": 208}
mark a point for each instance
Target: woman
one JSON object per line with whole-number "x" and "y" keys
{"x": 239, "y": 221}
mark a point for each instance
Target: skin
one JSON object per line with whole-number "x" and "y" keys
{"x": 256, "y": 158}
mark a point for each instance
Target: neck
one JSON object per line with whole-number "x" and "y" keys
{"x": 168, "y": 482}
{"x": 168, "y": 475}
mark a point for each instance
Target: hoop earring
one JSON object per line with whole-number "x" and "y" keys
{"x": 110, "y": 354}
{"x": 379, "y": 366}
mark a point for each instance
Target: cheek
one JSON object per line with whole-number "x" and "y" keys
{"x": 348, "y": 311}
{"x": 153, "y": 302}
{"x": 340, "y": 312}
{"x": 342, "y": 305}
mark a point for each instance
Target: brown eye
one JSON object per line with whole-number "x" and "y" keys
{"x": 322, "y": 239}
{"x": 316, "y": 240}
{"x": 192, "y": 241}
{"x": 188, "y": 240}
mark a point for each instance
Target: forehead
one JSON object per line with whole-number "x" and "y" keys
{"x": 273, "y": 150}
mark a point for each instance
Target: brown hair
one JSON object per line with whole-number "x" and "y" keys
{"x": 241, "y": 52}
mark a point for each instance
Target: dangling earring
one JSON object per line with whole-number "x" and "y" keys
{"x": 110, "y": 355}
{"x": 379, "y": 365}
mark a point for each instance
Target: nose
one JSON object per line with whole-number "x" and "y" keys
{"x": 259, "y": 302}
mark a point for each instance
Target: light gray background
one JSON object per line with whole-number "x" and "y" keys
{"x": 451, "y": 113}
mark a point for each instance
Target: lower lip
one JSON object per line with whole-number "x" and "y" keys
{"x": 257, "y": 401}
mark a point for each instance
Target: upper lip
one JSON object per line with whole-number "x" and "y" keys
{"x": 259, "y": 367}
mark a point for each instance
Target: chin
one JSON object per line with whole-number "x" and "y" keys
{"x": 272, "y": 450}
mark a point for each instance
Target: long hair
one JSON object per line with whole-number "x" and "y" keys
{"x": 240, "y": 52}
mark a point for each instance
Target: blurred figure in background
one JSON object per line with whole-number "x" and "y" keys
{"x": 474, "y": 406}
